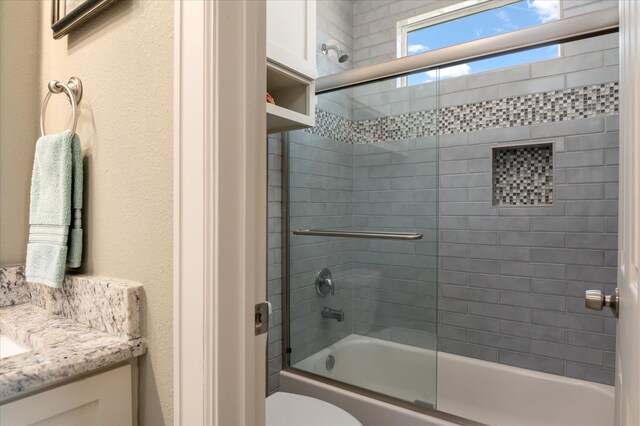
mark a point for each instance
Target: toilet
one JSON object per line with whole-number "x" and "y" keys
{"x": 288, "y": 409}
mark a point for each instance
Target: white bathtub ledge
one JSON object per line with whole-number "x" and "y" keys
{"x": 477, "y": 390}
{"x": 500, "y": 394}
{"x": 368, "y": 411}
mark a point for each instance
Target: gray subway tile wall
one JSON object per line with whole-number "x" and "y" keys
{"x": 321, "y": 183}
{"x": 562, "y": 254}
{"x": 334, "y": 25}
{"x": 510, "y": 280}
{"x": 274, "y": 260}
{"x": 404, "y": 310}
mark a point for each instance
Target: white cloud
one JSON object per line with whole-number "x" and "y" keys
{"x": 449, "y": 72}
{"x": 417, "y": 48}
{"x": 547, "y": 10}
{"x": 504, "y": 16}
{"x": 506, "y": 21}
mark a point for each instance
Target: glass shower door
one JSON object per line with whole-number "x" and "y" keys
{"x": 363, "y": 221}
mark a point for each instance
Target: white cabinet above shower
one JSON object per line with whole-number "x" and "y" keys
{"x": 291, "y": 64}
{"x": 291, "y": 35}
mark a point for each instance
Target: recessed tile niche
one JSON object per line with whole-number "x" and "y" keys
{"x": 523, "y": 175}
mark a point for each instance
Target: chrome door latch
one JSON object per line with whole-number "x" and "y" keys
{"x": 262, "y": 312}
{"x": 596, "y": 300}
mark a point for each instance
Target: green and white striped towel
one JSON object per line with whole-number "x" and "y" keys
{"x": 56, "y": 190}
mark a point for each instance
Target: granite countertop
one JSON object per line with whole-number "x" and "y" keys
{"x": 89, "y": 324}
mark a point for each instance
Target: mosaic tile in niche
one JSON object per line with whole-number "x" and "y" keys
{"x": 523, "y": 175}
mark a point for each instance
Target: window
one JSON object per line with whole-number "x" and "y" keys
{"x": 473, "y": 20}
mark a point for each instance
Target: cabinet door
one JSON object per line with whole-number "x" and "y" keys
{"x": 291, "y": 35}
{"x": 103, "y": 399}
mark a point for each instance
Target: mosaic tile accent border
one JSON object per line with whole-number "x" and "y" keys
{"x": 547, "y": 107}
{"x": 523, "y": 175}
{"x": 395, "y": 127}
{"x": 332, "y": 126}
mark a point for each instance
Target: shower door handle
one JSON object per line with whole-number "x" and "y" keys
{"x": 596, "y": 300}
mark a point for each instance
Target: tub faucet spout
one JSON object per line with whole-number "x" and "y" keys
{"x": 336, "y": 314}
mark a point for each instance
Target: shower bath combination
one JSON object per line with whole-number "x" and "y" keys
{"x": 397, "y": 254}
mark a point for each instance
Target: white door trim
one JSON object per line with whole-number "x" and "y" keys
{"x": 628, "y": 332}
{"x": 219, "y": 211}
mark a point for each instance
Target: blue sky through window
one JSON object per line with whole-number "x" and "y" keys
{"x": 522, "y": 14}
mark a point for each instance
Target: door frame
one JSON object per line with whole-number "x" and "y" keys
{"x": 220, "y": 204}
{"x": 627, "y": 337}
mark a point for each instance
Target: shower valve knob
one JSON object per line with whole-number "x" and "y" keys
{"x": 324, "y": 283}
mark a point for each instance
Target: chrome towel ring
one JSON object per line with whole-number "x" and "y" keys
{"x": 73, "y": 90}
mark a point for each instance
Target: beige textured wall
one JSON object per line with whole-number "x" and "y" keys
{"x": 19, "y": 103}
{"x": 124, "y": 57}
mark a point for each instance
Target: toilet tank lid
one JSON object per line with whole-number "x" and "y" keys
{"x": 289, "y": 409}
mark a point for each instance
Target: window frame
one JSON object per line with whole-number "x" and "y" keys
{"x": 439, "y": 16}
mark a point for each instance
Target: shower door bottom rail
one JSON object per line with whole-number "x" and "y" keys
{"x": 360, "y": 234}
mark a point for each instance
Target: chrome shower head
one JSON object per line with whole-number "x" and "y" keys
{"x": 342, "y": 55}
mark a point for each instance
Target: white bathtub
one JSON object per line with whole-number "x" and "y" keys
{"x": 477, "y": 390}
{"x": 405, "y": 372}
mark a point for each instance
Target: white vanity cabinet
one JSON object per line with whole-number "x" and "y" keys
{"x": 291, "y": 64}
{"x": 102, "y": 399}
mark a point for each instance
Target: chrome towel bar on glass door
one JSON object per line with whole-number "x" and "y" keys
{"x": 73, "y": 90}
{"x": 359, "y": 234}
